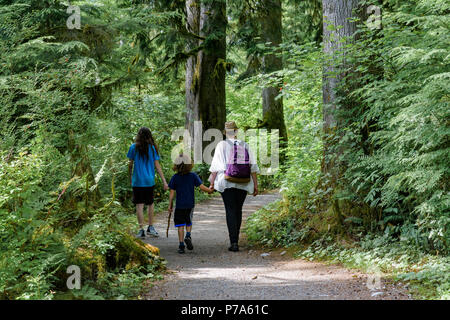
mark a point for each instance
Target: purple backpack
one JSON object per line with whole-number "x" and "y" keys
{"x": 238, "y": 164}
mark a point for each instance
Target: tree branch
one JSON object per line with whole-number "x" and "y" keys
{"x": 180, "y": 56}
{"x": 192, "y": 35}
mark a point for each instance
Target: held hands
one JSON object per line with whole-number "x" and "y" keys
{"x": 166, "y": 186}
{"x": 206, "y": 189}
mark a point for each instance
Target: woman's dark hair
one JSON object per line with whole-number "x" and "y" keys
{"x": 144, "y": 139}
{"x": 183, "y": 165}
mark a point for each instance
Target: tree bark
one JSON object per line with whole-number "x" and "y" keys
{"x": 205, "y": 72}
{"x": 192, "y": 25}
{"x": 271, "y": 32}
{"x": 338, "y": 30}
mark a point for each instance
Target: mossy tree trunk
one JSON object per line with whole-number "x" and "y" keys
{"x": 205, "y": 72}
{"x": 192, "y": 25}
{"x": 340, "y": 22}
{"x": 338, "y": 31}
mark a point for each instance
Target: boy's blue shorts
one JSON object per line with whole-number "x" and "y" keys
{"x": 183, "y": 217}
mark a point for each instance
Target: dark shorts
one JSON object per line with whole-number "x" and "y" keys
{"x": 143, "y": 195}
{"x": 183, "y": 217}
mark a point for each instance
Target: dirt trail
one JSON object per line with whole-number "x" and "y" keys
{"x": 210, "y": 271}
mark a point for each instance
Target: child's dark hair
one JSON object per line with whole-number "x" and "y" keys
{"x": 144, "y": 140}
{"x": 183, "y": 164}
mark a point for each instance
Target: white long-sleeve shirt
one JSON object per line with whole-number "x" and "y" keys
{"x": 219, "y": 165}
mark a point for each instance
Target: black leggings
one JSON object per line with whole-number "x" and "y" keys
{"x": 233, "y": 200}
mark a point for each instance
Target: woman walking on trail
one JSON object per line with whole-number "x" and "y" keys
{"x": 144, "y": 158}
{"x": 233, "y": 174}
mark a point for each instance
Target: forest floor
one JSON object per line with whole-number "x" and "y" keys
{"x": 210, "y": 271}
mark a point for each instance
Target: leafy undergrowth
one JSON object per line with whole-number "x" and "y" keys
{"x": 428, "y": 274}
{"x": 44, "y": 234}
{"x": 37, "y": 255}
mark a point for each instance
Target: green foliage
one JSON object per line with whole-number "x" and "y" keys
{"x": 63, "y": 177}
{"x": 72, "y": 101}
{"x": 277, "y": 226}
{"x": 391, "y": 202}
{"x": 395, "y": 136}
{"x": 303, "y": 21}
{"x": 393, "y": 139}
{"x": 301, "y": 92}
{"x": 35, "y": 248}
{"x": 31, "y": 250}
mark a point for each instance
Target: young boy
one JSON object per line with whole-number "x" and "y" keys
{"x": 183, "y": 184}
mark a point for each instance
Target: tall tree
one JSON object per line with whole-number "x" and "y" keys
{"x": 271, "y": 34}
{"x": 205, "y": 71}
{"x": 192, "y": 25}
{"x": 338, "y": 31}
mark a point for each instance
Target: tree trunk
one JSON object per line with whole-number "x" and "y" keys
{"x": 205, "y": 73}
{"x": 338, "y": 30}
{"x": 191, "y": 87}
{"x": 271, "y": 31}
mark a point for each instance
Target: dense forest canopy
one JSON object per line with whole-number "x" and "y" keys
{"x": 358, "y": 91}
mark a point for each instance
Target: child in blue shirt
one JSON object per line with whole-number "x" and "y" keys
{"x": 183, "y": 184}
{"x": 144, "y": 159}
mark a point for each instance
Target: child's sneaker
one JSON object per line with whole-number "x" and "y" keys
{"x": 181, "y": 249}
{"x": 141, "y": 234}
{"x": 188, "y": 242}
{"x": 152, "y": 232}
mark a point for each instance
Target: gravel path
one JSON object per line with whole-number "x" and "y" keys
{"x": 210, "y": 271}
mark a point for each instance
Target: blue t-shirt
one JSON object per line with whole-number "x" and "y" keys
{"x": 184, "y": 186}
{"x": 144, "y": 168}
